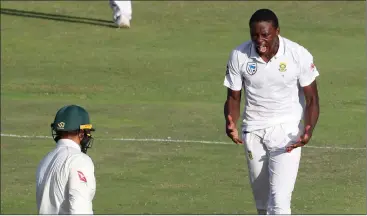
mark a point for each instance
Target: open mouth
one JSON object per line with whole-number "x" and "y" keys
{"x": 262, "y": 48}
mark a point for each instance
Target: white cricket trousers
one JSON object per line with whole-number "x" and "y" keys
{"x": 122, "y": 7}
{"x": 273, "y": 171}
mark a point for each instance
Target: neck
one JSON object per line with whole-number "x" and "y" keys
{"x": 73, "y": 138}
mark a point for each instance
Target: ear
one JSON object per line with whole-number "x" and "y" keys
{"x": 277, "y": 31}
{"x": 81, "y": 134}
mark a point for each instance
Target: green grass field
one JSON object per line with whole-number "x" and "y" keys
{"x": 163, "y": 78}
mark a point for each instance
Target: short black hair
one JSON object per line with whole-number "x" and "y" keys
{"x": 264, "y": 15}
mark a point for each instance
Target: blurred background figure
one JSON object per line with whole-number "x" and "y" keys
{"x": 122, "y": 13}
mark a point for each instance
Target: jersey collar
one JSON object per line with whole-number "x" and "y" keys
{"x": 281, "y": 50}
{"x": 68, "y": 143}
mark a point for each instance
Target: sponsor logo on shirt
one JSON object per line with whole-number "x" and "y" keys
{"x": 312, "y": 67}
{"x": 82, "y": 177}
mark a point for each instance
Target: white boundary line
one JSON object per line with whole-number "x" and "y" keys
{"x": 174, "y": 140}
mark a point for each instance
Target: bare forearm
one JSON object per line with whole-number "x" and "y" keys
{"x": 232, "y": 108}
{"x": 312, "y": 112}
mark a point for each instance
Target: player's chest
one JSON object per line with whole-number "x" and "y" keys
{"x": 280, "y": 72}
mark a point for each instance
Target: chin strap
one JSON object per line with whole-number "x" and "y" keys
{"x": 54, "y": 135}
{"x": 86, "y": 142}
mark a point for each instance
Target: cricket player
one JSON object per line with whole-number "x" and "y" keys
{"x": 65, "y": 181}
{"x": 122, "y": 12}
{"x": 281, "y": 109}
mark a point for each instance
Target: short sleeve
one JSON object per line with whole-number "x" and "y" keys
{"x": 309, "y": 71}
{"x": 82, "y": 185}
{"x": 233, "y": 77}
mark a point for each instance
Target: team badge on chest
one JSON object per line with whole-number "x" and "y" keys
{"x": 251, "y": 68}
{"x": 282, "y": 67}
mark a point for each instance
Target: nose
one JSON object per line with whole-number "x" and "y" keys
{"x": 258, "y": 39}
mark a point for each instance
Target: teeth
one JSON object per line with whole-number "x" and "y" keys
{"x": 262, "y": 49}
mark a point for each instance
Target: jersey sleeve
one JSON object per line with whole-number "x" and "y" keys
{"x": 309, "y": 71}
{"x": 233, "y": 77}
{"x": 82, "y": 186}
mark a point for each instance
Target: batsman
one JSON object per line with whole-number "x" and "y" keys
{"x": 65, "y": 181}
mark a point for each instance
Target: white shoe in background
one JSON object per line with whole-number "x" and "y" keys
{"x": 122, "y": 12}
{"x": 122, "y": 21}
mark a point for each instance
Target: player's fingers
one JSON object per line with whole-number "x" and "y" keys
{"x": 237, "y": 141}
{"x": 231, "y": 135}
{"x": 290, "y": 148}
{"x": 234, "y": 137}
{"x": 231, "y": 132}
{"x": 300, "y": 144}
{"x": 293, "y": 146}
{"x": 303, "y": 140}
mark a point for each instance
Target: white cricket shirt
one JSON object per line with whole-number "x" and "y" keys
{"x": 65, "y": 181}
{"x": 273, "y": 92}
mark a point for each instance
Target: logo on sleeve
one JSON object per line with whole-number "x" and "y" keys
{"x": 251, "y": 68}
{"x": 312, "y": 67}
{"x": 227, "y": 70}
{"x": 82, "y": 177}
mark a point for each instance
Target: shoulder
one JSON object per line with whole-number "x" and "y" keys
{"x": 241, "y": 51}
{"x": 243, "y": 48}
{"x": 296, "y": 50}
{"x": 81, "y": 160}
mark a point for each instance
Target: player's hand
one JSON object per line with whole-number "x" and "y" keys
{"x": 232, "y": 131}
{"x": 303, "y": 140}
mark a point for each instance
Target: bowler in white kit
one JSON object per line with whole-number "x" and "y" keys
{"x": 281, "y": 109}
{"x": 65, "y": 181}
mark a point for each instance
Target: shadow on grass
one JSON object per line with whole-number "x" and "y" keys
{"x": 57, "y": 17}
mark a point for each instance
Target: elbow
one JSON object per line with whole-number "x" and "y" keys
{"x": 79, "y": 205}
